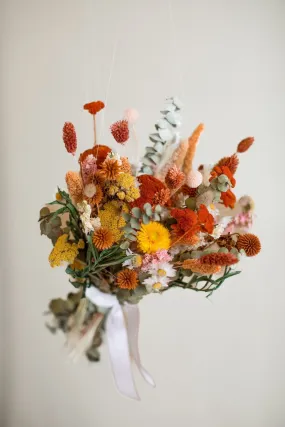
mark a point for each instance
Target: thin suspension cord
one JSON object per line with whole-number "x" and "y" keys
{"x": 108, "y": 88}
{"x": 175, "y": 48}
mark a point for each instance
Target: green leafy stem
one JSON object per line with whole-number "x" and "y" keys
{"x": 209, "y": 285}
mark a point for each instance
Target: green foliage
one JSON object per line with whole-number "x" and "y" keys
{"x": 165, "y": 134}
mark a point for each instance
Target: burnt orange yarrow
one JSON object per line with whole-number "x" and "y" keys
{"x": 94, "y": 107}
{"x": 219, "y": 258}
{"x": 127, "y": 279}
{"x": 245, "y": 144}
{"x": 103, "y": 238}
{"x": 250, "y": 243}
{"x": 174, "y": 178}
{"x": 110, "y": 169}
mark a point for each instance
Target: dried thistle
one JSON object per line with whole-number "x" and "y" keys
{"x": 174, "y": 178}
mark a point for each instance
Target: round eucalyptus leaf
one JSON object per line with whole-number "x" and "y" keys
{"x": 137, "y": 213}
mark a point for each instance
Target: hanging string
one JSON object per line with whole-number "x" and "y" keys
{"x": 108, "y": 89}
{"x": 178, "y": 69}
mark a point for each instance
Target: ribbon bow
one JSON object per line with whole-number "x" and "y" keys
{"x": 122, "y": 327}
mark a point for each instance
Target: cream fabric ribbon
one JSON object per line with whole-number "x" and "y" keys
{"x": 122, "y": 327}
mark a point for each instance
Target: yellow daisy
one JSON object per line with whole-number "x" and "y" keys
{"x": 152, "y": 237}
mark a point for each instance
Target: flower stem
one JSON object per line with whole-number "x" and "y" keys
{"x": 94, "y": 129}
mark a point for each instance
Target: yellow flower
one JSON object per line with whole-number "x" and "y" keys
{"x": 152, "y": 237}
{"x": 124, "y": 187}
{"x": 111, "y": 217}
{"x": 64, "y": 251}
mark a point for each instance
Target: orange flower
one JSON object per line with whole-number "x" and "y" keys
{"x": 96, "y": 198}
{"x": 125, "y": 166}
{"x": 110, "y": 169}
{"x": 206, "y": 219}
{"x": 229, "y": 199}
{"x": 161, "y": 197}
{"x": 74, "y": 185}
{"x": 94, "y": 107}
{"x": 148, "y": 188}
{"x": 231, "y": 162}
{"x": 249, "y": 243}
{"x": 219, "y": 258}
{"x": 245, "y": 144}
{"x": 186, "y": 228}
{"x": 103, "y": 238}
{"x": 223, "y": 170}
{"x": 174, "y": 178}
{"x": 197, "y": 267}
{"x": 100, "y": 152}
{"x": 127, "y": 279}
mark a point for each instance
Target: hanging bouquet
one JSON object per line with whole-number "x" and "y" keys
{"x": 125, "y": 231}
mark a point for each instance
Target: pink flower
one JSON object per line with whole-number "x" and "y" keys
{"x": 88, "y": 168}
{"x": 150, "y": 260}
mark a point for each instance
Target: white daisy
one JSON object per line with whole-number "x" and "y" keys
{"x": 134, "y": 262}
{"x": 155, "y": 283}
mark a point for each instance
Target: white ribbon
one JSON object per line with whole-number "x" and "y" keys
{"x": 122, "y": 337}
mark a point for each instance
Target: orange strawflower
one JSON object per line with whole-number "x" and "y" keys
{"x": 228, "y": 199}
{"x": 231, "y": 162}
{"x": 219, "y": 258}
{"x": 197, "y": 267}
{"x": 127, "y": 279}
{"x": 245, "y": 144}
{"x": 103, "y": 238}
{"x": 174, "y": 178}
{"x": 110, "y": 169}
{"x": 186, "y": 228}
{"x": 223, "y": 170}
{"x": 94, "y": 107}
{"x": 249, "y": 243}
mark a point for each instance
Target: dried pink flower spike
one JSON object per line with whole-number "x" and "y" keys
{"x": 69, "y": 137}
{"x": 88, "y": 168}
{"x": 120, "y": 131}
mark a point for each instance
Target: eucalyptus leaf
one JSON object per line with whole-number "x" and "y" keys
{"x": 158, "y": 209}
{"x": 165, "y": 134}
{"x": 147, "y": 206}
{"x": 124, "y": 245}
{"x": 224, "y": 250}
{"x": 154, "y": 137}
{"x": 137, "y": 213}
{"x": 44, "y": 212}
{"x": 147, "y": 161}
{"x": 147, "y": 170}
{"x": 161, "y": 124}
{"x": 132, "y": 237}
{"x": 135, "y": 224}
{"x": 148, "y": 211}
{"x": 155, "y": 158}
{"x": 191, "y": 203}
{"x": 145, "y": 219}
{"x": 159, "y": 148}
{"x": 126, "y": 216}
{"x": 156, "y": 217}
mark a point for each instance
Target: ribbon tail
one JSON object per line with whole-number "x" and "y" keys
{"x": 119, "y": 353}
{"x": 133, "y": 320}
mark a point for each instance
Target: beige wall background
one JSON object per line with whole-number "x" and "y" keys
{"x": 217, "y": 362}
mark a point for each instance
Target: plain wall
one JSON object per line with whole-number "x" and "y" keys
{"x": 217, "y": 362}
